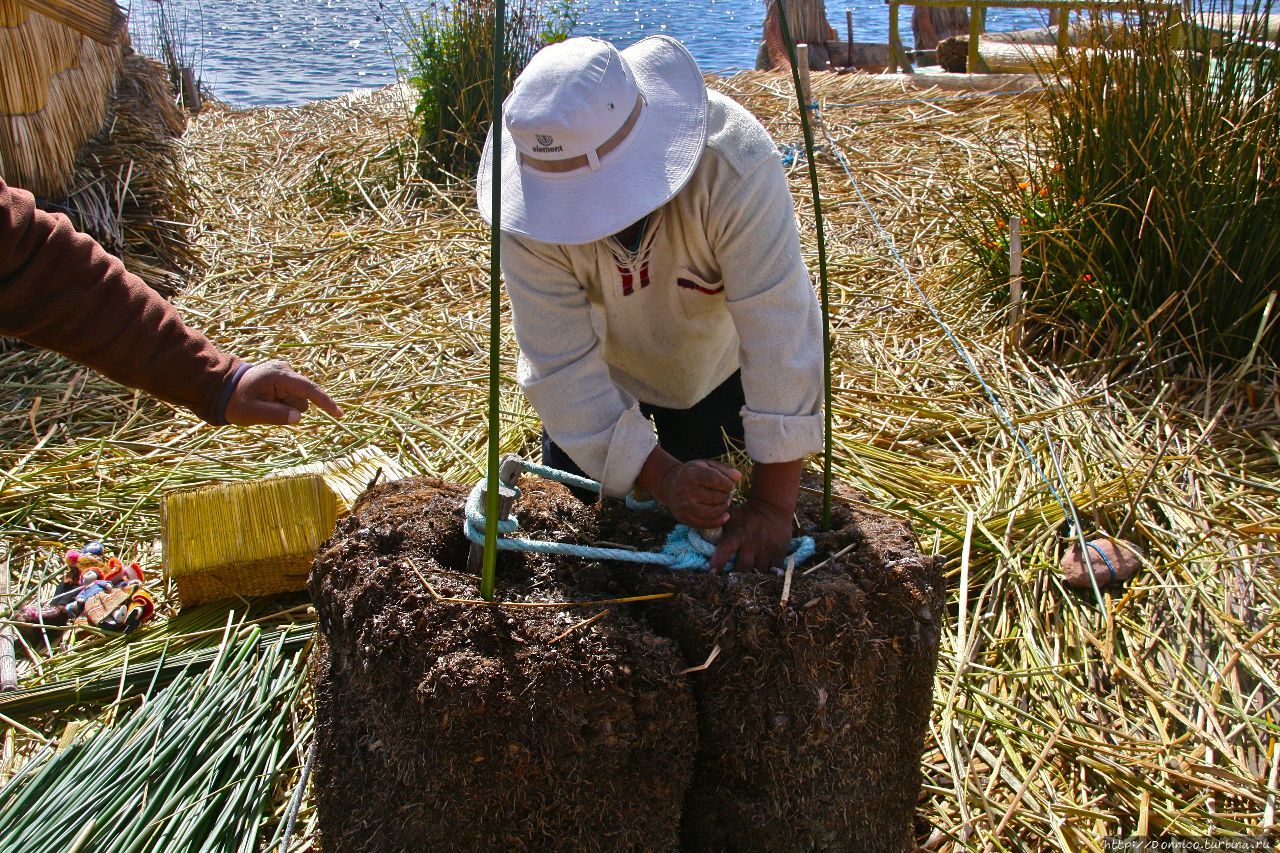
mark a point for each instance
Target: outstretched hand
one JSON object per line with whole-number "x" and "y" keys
{"x": 273, "y": 393}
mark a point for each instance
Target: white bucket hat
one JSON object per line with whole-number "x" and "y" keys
{"x": 594, "y": 139}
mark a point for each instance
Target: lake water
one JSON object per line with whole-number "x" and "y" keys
{"x": 276, "y": 52}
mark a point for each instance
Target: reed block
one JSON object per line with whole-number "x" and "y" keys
{"x": 259, "y": 537}
{"x": 246, "y": 539}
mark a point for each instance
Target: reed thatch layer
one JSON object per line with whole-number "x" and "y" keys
{"x": 13, "y": 13}
{"x": 54, "y": 88}
{"x": 129, "y": 189}
{"x": 1059, "y": 717}
{"x": 100, "y": 20}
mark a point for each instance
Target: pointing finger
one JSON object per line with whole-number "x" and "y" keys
{"x": 297, "y": 385}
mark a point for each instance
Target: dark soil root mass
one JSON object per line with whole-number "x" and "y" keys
{"x": 446, "y": 725}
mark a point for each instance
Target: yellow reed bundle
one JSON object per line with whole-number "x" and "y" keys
{"x": 100, "y": 20}
{"x": 246, "y": 539}
{"x": 13, "y": 13}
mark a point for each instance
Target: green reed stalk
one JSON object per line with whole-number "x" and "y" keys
{"x": 489, "y": 564}
{"x": 822, "y": 268}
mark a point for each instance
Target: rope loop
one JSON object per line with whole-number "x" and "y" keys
{"x": 684, "y": 549}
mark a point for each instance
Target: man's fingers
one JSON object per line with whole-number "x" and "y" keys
{"x": 257, "y": 411}
{"x": 709, "y": 497}
{"x": 726, "y": 469}
{"x": 698, "y": 518}
{"x": 296, "y": 385}
{"x": 724, "y": 552}
{"x": 707, "y": 477}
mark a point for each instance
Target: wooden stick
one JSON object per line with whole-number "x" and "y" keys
{"x": 895, "y": 40}
{"x": 508, "y": 475}
{"x": 506, "y": 497}
{"x": 975, "y": 65}
{"x": 1015, "y": 279}
{"x": 848, "y": 34}
{"x": 8, "y": 664}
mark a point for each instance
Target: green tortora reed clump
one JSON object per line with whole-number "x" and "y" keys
{"x": 450, "y": 59}
{"x": 1152, "y": 208}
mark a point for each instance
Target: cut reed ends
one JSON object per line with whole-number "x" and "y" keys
{"x": 239, "y": 540}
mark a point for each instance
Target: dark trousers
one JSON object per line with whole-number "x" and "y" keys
{"x": 698, "y": 432}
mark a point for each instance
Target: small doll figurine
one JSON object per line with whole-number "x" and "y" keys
{"x": 97, "y": 590}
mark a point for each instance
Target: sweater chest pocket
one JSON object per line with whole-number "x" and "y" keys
{"x": 699, "y": 294}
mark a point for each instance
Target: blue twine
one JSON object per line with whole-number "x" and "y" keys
{"x": 790, "y": 153}
{"x": 1063, "y": 498}
{"x": 578, "y": 482}
{"x": 684, "y": 548}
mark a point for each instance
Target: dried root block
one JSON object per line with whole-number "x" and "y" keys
{"x": 812, "y": 716}
{"x": 451, "y": 726}
{"x": 445, "y": 726}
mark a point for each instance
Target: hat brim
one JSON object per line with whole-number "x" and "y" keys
{"x": 636, "y": 178}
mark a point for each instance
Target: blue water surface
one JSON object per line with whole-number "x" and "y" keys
{"x": 279, "y": 52}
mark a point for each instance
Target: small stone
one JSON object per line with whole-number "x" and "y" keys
{"x": 1104, "y": 554}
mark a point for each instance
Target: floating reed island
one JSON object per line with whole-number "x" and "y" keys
{"x": 1058, "y": 716}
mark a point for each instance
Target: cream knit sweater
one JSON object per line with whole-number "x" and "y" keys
{"x": 718, "y": 283}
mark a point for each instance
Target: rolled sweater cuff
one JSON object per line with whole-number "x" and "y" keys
{"x": 632, "y": 441}
{"x": 218, "y": 417}
{"x": 781, "y": 438}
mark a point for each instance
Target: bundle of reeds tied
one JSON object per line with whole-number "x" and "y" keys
{"x": 258, "y": 537}
{"x": 59, "y": 61}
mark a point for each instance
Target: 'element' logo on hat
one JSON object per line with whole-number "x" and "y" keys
{"x": 543, "y": 139}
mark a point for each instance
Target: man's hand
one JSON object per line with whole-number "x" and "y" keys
{"x": 273, "y": 393}
{"x": 759, "y": 533}
{"x": 697, "y": 493}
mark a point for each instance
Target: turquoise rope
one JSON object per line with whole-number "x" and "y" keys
{"x": 684, "y": 548}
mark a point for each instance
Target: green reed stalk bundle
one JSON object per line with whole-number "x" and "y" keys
{"x": 453, "y": 58}
{"x": 489, "y": 565}
{"x": 193, "y": 769}
{"x": 128, "y": 676}
{"x": 1151, "y": 202}
{"x": 822, "y": 268}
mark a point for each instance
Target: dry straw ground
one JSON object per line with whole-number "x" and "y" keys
{"x": 1060, "y": 717}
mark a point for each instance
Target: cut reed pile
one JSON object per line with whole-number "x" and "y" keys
{"x": 1059, "y": 718}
